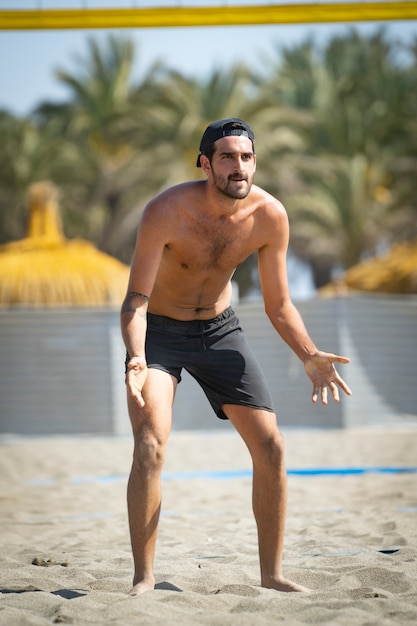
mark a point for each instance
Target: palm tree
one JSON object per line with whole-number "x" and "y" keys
{"x": 351, "y": 95}
{"x": 27, "y": 154}
{"x": 340, "y": 217}
{"x": 184, "y": 106}
{"x": 402, "y": 218}
{"x": 335, "y": 139}
{"x": 369, "y": 95}
{"x": 103, "y": 122}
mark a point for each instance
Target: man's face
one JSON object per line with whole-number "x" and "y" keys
{"x": 233, "y": 166}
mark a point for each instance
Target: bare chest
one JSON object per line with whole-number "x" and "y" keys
{"x": 211, "y": 245}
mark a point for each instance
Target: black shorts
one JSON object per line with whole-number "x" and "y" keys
{"x": 215, "y": 352}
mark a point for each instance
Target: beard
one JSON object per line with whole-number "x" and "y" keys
{"x": 234, "y": 186}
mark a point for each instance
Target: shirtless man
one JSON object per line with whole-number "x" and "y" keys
{"x": 177, "y": 314}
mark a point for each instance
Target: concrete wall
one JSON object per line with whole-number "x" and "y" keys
{"x": 61, "y": 371}
{"x": 57, "y": 371}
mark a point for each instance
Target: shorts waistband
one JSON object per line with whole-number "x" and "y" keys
{"x": 181, "y": 326}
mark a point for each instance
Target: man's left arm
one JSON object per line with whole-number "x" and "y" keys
{"x": 286, "y": 318}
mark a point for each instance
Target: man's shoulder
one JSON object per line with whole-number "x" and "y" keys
{"x": 267, "y": 202}
{"x": 174, "y": 198}
{"x": 183, "y": 190}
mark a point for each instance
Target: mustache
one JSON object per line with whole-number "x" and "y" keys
{"x": 238, "y": 177}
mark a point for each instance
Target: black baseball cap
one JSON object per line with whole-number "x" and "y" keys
{"x": 223, "y": 128}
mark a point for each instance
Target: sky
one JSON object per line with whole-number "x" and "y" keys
{"x": 28, "y": 59}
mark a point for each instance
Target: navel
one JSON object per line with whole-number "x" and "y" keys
{"x": 184, "y": 266}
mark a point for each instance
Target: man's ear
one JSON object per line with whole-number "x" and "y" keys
{"x": 205, "y": 164}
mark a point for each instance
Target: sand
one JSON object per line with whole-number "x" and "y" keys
{"x": 65, "y": 553}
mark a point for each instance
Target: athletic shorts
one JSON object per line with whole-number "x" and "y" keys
{"x": 214, "y": 352}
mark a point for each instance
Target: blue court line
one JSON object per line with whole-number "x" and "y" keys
{"x": 350, "y": 471}
{"x": 408, "y": 509}
{"x": 232, "y": 474}
{"x": 114, "y": 478}
{"x": 315, "y": 471}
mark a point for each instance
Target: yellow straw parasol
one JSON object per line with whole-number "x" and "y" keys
{"x": 47, "y": 270}
{"x": 395, "y": 272}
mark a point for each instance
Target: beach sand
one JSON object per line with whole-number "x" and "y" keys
{"x": 65, "y": 552}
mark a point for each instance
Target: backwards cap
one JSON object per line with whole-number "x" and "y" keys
{"x": 223, "y": 128}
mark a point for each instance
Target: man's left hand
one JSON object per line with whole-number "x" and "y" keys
{"x": 322, "y": 372}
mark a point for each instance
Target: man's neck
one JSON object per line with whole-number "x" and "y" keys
{"x": 222, "y": 205}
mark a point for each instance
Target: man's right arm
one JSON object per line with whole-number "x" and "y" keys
{"x": 145, "y": 265}
{"x": 133, "y": 325}
{"x": 133, "y": 322}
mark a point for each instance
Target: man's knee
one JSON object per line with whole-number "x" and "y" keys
{"x": 271, "y": 450}
{"x": 149, "y": 452}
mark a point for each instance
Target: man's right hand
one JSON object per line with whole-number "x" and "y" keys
{"x": 135, "y": 378}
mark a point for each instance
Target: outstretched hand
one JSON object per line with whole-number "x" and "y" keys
{"x": 135, "y": 378}
{"x": 323, "y": 374}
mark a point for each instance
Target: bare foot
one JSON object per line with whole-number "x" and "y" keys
{"x": 282, "y": 584}
{"x": 141, "y": 587}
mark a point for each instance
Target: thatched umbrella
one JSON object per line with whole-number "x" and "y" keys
{"x": 47, "y": 270}
{"x": 395, "y": 272}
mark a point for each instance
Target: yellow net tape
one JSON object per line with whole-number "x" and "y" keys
{"x": 56, "y": 19}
